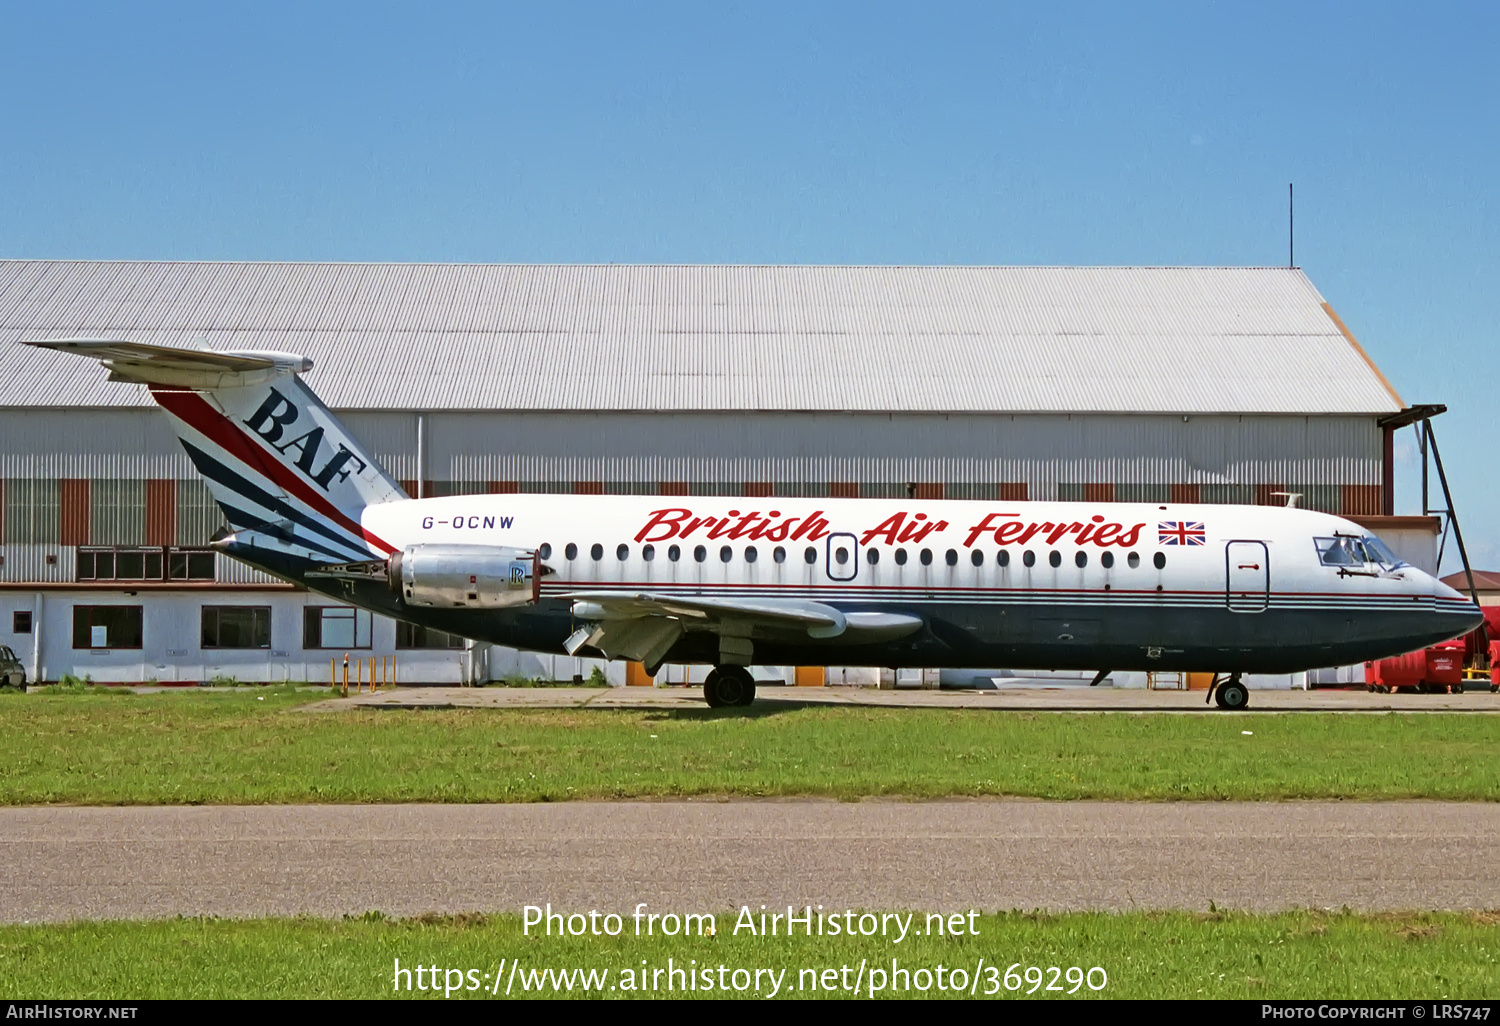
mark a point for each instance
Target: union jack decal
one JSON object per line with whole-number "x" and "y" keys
{"x": 1184, "y": 532}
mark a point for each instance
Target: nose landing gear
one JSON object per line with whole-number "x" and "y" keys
{"x": 1228, "y": 692}
{"x": 728, "y": 685}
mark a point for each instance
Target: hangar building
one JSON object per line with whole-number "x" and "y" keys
{"x": 1099, "y": 383}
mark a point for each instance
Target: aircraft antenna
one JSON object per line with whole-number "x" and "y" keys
{"x": 1291, "y": 228}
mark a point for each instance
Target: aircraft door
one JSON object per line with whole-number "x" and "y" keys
{"x": 1248, "y": 576}
{"x": 842, "y": 557}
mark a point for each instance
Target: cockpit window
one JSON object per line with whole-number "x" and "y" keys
{"x": 1345, "y": 550}
{"x": 1341, "y": 551}
{"x": 1382, "y": 553}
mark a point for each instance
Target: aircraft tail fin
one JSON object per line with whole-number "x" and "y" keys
{"x": 274, "y": 457}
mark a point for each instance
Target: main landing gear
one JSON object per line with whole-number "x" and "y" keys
{"x": 1228, "y": 692}
{"x": 729, "y": 685}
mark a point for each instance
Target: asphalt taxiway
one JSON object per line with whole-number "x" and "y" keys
{"x": 329, "y": 860}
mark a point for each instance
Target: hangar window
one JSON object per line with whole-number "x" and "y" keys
{"x": 1028, "y": 557}
{"x": 571, "y": 551}
{"x": 1082, "y": 559}
{"x": 674, "y": 553}
{"x": 810, "y": 555}
{"x": 750, "y": 554}
{"x": 925, "y": 556}
{"x": 1054, "y": 558}
{"x": 1160, "y": 560}
{"x": 977, "y": 558}
{"x": 20, "y": 621}
{"x": 236, "y": 627}
{"x": 545, "y": 551}
{"x": 700, "y": 553}
{"x": 622, "y": 552}
{"x": 335, "y": 627}
{"x": 900, "y": 557}
{"x": 648, "y": 552}
{"x": 872, "y": 555}
{"x": 1107, "y": 560}
{"x": 107, "y": 626}
{"x": 1003, "y": 558}
{"x": 596, "y": 551}
{"x": 190, "y": 565}
{"x": 950, "y": 557}
{"x": 725, "y": 554}
{"x": 1134, "y": 559}
{"x": 411, "y": 635}
{"x": 779, "y": 554}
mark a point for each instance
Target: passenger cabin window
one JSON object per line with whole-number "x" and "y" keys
{"x": 725, "y": 554}
{"x": 674, "y": 553}
{"x": 750, "y": 554}
{"x": 779, "y": 554}
{"x": 1107, "y": 560}
{"x": 900, "y": 557}
{"x": 810, "y": 555}
{"x": 951, "y": 557}
{"x": 926, "y": 557}
{"x": 571, "y": 552}
{"x": 545, "y": 551}
{"x": 1054, "y": 558}
{"x": 872, "y": 555}
{"x": 976, "y": 557}
{"x": 1028, "y": 557}
{"x": 1159, "y": 560}
{"x": 622, "y": 553}
{"x": 596, "y": 551}
{"x": 1003, "y": 558}
{"x": 1134, "y": 559}
{"x": 648, "y": 552}
{"x": 700, "y": 553}
{"x": 1082, "y": 559}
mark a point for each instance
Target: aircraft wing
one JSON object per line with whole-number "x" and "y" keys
{"x": 645, "y": 625}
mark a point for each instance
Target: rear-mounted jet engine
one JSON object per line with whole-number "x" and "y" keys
{"x": 466, "y": 576}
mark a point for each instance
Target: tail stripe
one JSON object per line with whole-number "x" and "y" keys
{"x": 192, "y": 409}
{"x": 223, "y": 475}
{"x": 244, "y": 520}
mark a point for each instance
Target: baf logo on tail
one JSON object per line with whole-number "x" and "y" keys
{"x": 274, "y": 420}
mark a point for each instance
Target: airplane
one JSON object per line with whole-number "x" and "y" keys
{"x": 728, "y": 582}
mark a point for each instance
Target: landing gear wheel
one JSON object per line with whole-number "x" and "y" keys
{"x": 728, "y": 685}
{"x": 1232, "y": 695}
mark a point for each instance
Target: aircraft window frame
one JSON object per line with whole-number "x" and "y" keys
{"x": 700, "y": 553}
{"x": 674, "y": 552}
{"x": 570, "y": 552}
{"x": 810, "y": 555}
{"x": 596, "y": 552}
{"x": 1159, "y": 561}
{"x": 1377, "y": 548}
{"x": 779, "y": 554}
{"x": 1028, "y": 559}
{"x": 901, "y": 557}
{"x": 648, "y": 552}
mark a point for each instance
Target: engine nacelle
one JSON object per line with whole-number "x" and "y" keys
{"x": 466, "y": 576}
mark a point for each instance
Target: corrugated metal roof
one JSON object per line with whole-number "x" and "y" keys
{"x": 670, "y": 338}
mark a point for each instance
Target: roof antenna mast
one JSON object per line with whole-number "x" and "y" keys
{"x": 1291, "y": 228}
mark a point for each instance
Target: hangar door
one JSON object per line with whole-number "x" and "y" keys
{"x": 1247, "y": 567}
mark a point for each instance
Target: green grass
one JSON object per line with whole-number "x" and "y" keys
{"x": 261, "y": 747}
{"x": 1293, "y": 955}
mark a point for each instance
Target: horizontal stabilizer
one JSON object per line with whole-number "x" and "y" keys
{"x": 186, "y": 368}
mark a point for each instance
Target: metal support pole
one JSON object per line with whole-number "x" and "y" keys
{"x": 1453, "y": 519}
{"x": 333, "y": 673}
{"x": 1422, "y": 430}
{"x": 346, "y": 675}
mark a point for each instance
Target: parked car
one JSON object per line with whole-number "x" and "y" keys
{"x": 11, "y": 670}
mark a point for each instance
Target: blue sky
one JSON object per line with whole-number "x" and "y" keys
{"x": 797, "y": 133}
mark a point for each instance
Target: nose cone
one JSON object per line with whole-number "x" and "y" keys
{"x": 1457, "y": 614}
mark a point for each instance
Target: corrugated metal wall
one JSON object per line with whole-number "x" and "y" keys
{"x": 126, "y": 481}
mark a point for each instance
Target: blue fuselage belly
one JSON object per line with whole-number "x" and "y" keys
{"x": 1124, "y": 633}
